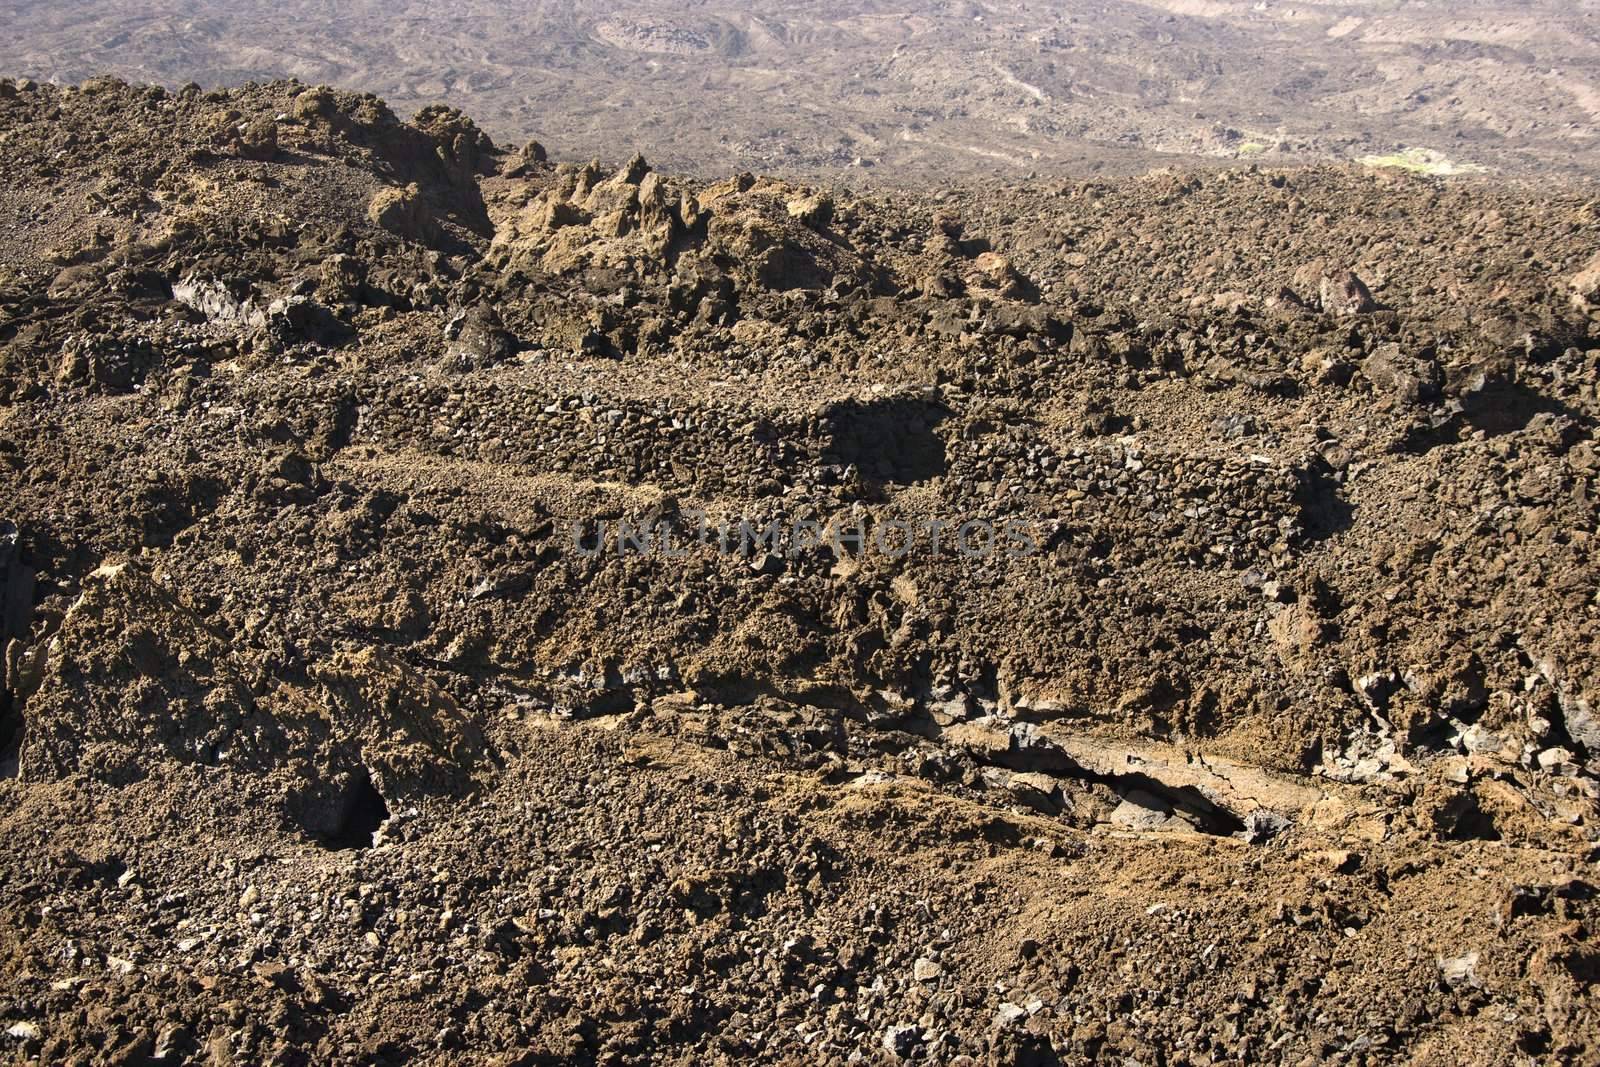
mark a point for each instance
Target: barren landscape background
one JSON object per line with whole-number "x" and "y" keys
{"x": 921, "y": 89}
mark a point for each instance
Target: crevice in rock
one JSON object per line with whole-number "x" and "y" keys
{"x": 342, "y": 814}
{"x": 1462, "y": 818}
{"x": 1187, "y": 802}
{"x": 1022, "y": 749}
{"x": 10, "y": 735}
{"x": 16, "y": 617}
{"x": 1014, "y": 747}
{"x": 890, "y": 440}
{"x": 1323, "y": 510}
{"x": 364, "y": 812}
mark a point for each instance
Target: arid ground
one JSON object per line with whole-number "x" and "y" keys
{"x": 891, "y": 91}
{"x": 339, "y": 727}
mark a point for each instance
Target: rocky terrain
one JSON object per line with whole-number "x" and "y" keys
{"x": 891, "y": 91}
{"x": 340, "y": 725}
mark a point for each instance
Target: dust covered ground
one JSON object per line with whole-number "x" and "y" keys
{"x": 338, "y": 729}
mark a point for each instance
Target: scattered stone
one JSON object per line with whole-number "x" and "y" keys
{"x": 769, "y": 563}
{"x": 1346, "y": 295}
{"x": 813, "y": 209}
{"x": 478, "y": 338}
{"x": 343, "y": 624}
{"x": 1585, "y": 286}
{"x": 314, "y": 104}
{"x": 1010, "y": 1015}
{"x": 219, "y": 302}
{"x": 1342, "y": 860}
{"x": 402, "y": 212}
{"x": 1262, "y": 825}
{"x": 1459, "y": 971}
{"x": 258, "y": 140}
{"x": 1038, "y": 791}
{"x": 1558, "y": 761}
{"x": 1144, "y": 813}
{"x": 901, "y": 1041}
{"x": 1411, "y": 379}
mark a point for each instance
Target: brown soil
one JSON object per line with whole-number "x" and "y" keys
{"x": 325, "y": 742}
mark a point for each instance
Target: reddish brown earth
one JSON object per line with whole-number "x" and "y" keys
{"x": 326, "y": 743}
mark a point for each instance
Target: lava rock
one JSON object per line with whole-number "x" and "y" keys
{"x": 1346, "y": 295}
{"x": 1409, "y": 379}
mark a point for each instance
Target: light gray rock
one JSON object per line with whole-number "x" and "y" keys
{"x": 1144, "y": 812}
{"x": 1010, "y": 1015}
{"x": 901, "y": 1041}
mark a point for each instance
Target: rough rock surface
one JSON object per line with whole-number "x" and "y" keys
{"x": 328, "y": 739}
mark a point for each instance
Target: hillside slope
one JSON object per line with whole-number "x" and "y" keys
{"x": 1260, "y": 727}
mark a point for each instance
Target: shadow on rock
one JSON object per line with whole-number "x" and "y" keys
{"x": 892, "y": 440}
